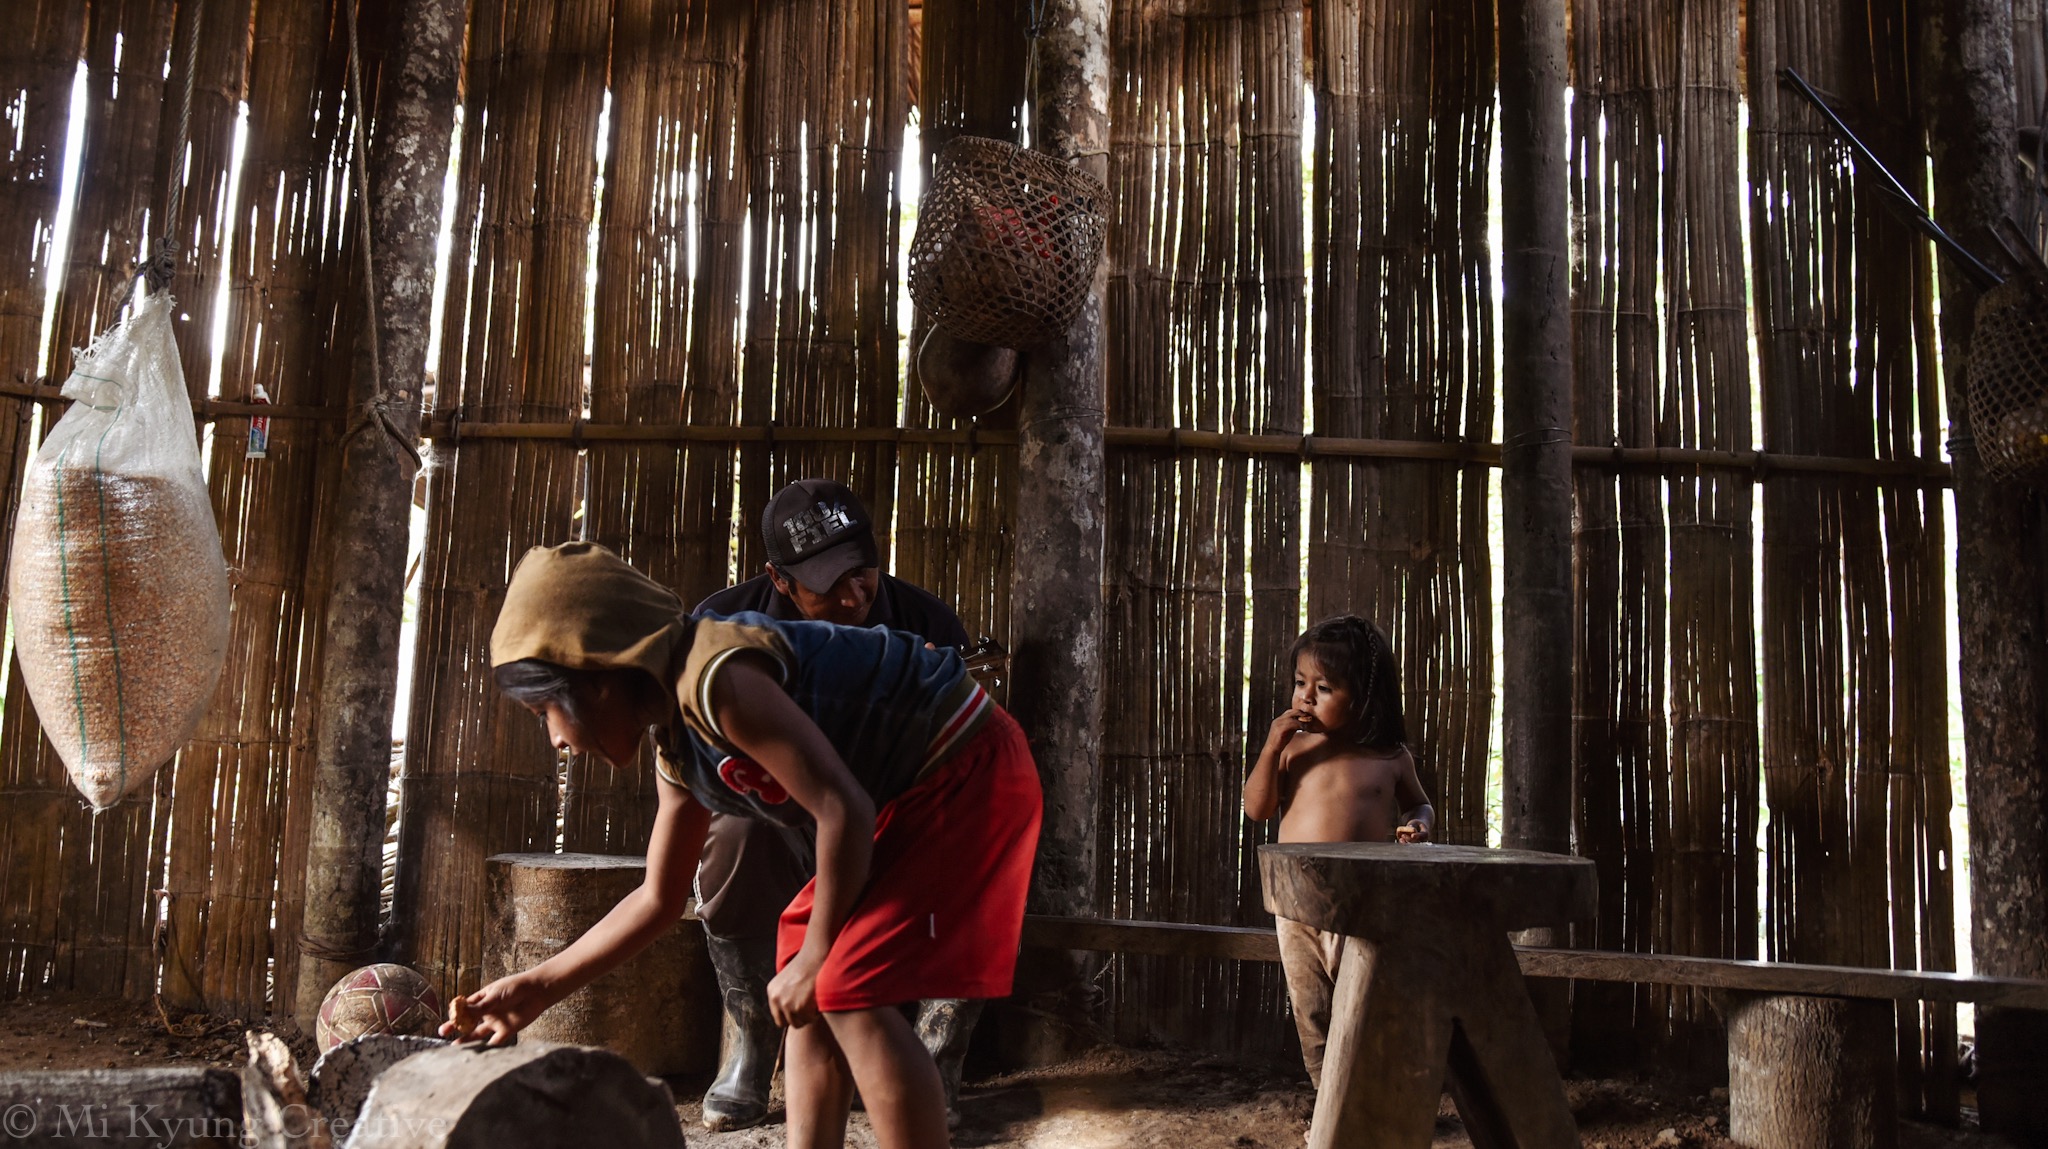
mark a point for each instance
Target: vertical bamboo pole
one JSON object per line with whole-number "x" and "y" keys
{"x": 409, "y": 160}
{"x": 1967, "y": 56}
{"x": 1056, "y": 588}
{"x": 1536, "y": 420}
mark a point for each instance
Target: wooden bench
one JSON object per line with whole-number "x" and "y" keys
{"x": 1789, "y": 1025}
{"x": 1250, "y": 943}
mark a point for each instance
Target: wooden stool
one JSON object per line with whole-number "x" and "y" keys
{"x": 660, "y": 1010}
{"x": 1429, "y": 984}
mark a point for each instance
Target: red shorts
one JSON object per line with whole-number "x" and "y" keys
{"x": 944, "y": 905}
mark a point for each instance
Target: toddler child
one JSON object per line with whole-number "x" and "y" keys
{"x": 1335, "y": 767}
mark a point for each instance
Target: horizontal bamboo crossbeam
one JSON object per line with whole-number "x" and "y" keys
{"x": 1172, "y": 939}
{"x": 1661, "y": 459}
{"x": 205, "y": 409}
{"x": 1784, "y": 977}
{"x": 1665, "y": 460}
{"x": 1163, "y": 939}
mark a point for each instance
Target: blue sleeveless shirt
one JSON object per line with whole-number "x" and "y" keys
{"x": 891, "y": 708}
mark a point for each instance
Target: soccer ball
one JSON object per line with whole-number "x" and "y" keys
{"x": 381, "y": 998}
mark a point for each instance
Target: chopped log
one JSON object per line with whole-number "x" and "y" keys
{"x": 170, "y": 1107}
{"x": 532, "y": 1093}
{"x": 275, "y": 1111}
{"x": 342, "y": 1078}
{"x": 660, "y": 1010}
{"x": 1806, "y": 1071}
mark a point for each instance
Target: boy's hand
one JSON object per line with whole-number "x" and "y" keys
{"x": 1415, "y": 831}
{"x": 793, "y": 994}
{"x": 495, "y": 1014}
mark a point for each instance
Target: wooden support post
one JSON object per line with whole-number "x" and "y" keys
{"x": 1536, "y": 448}
{"x": 1056, "y": 592}
{"x": 659, "y": 1010}
{"x": 2001, "y": 574}
{"x": 1806, "y": 1071}
{"x": 1536, "y": 461}
{"x": 373, "y": 504}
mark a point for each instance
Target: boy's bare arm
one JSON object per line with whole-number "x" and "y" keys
{"x": 1262, "y": 788}
{"x": 1418, "y": 817}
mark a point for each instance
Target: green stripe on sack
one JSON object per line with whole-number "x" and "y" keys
{"x": 107, "y": 588}
{"x": 107, "y": 582}
{"x": 64, "y": 571}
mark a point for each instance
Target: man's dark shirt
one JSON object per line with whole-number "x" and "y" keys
{"x": 898, "y": 605}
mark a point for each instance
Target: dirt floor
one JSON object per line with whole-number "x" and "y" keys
{"x": 1114, "y": 1098}
{"x": 1108, "y": 1099}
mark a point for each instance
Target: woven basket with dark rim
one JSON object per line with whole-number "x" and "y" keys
{"x": 2009, "y": 379}
{"x": 1007, "y": 241}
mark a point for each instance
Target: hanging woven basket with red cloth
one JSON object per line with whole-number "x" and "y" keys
{"x": 1007, "y": 242}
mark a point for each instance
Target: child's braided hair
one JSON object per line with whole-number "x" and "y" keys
{"x": 1352, "y": 651}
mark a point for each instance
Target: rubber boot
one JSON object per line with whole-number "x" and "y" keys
{"x": 944, "y": 1026}
{"x": 751, "y": 1040}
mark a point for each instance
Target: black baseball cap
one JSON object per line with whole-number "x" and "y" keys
{"x": 816, "y": 531}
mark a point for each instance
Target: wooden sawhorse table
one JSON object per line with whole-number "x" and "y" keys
{"x": 1429, "y": 987}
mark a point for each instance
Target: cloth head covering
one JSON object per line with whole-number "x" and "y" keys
{"x": 581, "y": 606}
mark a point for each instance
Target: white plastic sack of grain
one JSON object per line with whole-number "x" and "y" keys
{"x": 117, "y": 587}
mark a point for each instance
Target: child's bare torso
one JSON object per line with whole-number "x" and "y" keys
{"x": 1340, "y": 793}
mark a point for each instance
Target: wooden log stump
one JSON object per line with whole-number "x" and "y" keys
{"x": 2012, "y": 1065}
{"x": 531, "y": 1093}
{"x": 1811, "y": 1071}
{"x": 660, "y": 1010}
{"x": 171, "y": 1107}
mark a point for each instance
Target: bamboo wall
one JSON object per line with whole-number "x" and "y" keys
{"x": 191, "y": 887}
{"x": 668, "y": 214}
{"x": 1667, "y": 753}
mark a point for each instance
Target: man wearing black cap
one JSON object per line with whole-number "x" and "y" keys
{"x": 823, "y": 564}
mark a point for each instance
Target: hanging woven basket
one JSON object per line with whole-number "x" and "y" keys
{"x": 2008, "y": 391}
{"x": 1007, "y": 242}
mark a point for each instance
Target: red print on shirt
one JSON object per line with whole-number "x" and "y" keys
{"x": 746, "y": 777}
